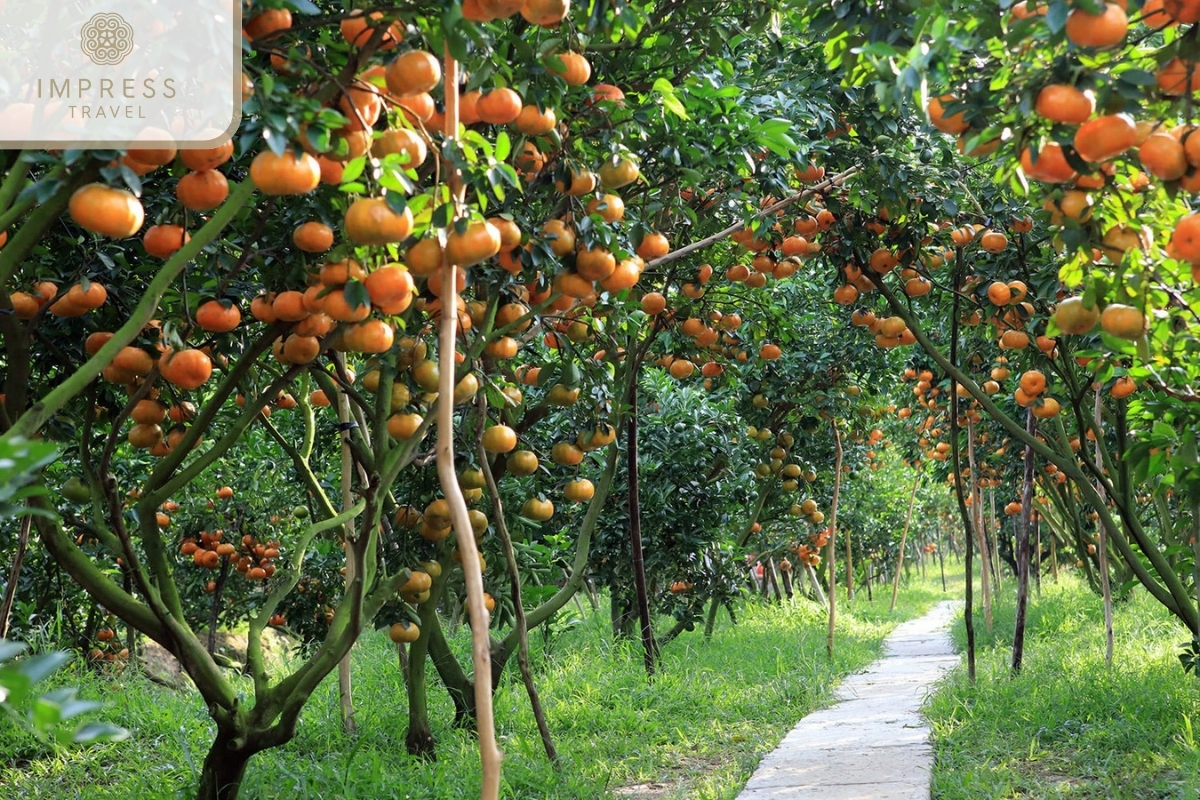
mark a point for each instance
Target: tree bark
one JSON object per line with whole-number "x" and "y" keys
{"x": 419, "y": 740}
{"x": 14, "y": 574}
{"x": 912, "y": 501}
{"x": 649, "y": 645}
{"x": 985, "y": 559}
{"x": 345, "y": 680}
{"x": 224, "y": 768}
{"x": 1018, "y": 649}
{"x": 833, "y": 509}
{"x": 956, "y": 464}
{"x": 1102, "y": 550}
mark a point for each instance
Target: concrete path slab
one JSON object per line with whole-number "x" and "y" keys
{"x": 873, "y": 744}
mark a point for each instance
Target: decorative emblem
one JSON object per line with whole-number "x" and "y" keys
{"x": 107, "y": 39}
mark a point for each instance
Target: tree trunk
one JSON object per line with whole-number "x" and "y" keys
{"x": 956, "y": 464}
{"x": 994, "y": 542}
{"x": 224, "y": 768}
{"x": 419, "y": 740}
{"x": 818, "y": 592}
{"x": 10, "y": 591}
{"x": 772, "y": 578}
{"x": 1102, "y": 551}
{"x": 1018, "y": 649}
{"x": 1036, "y": 518}
{"x": 345, "y": 680}
{"x": 649, "y": 645}
{"x": 711, "y": 621}
{"x": 833, "y": 509}
{"x": 870, "y": 578}
{"x": 985, "y": 559}
{"x": 912, "y": 500}
{"x": 849, "y": 568}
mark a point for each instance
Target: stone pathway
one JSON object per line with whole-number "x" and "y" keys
{"x": 873, "y": 744}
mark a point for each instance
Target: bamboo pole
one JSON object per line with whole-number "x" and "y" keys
{"x": 481, "y": 652}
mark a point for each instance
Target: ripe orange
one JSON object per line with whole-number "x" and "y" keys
{"x": 1185, "y": 241}
{"x": 575, "y": 69}
{"x": 413, "y": 72}
{"x": 653, "y": 245}
{"x": 1162, "y": 155}
{"x": 216, "y": 317}
{"x": 1105, "y": 137}
{"x": 1051, "y": 165}
{"x": 1097, "y": 30}
{"x": 288, "y": 174}
{"x": 102, "y": 209}
{"x": 1178, "y": 76}
{"x": 208, "y": 158}
{"x": 161, "y": 241}
{"x": 546, "y": 13}
{"x": 1122, "y": 320}
{"x": 371, "y": 221}
{"x": 187, "y": 369}
{"x": 202, "y": 191}
{"x": 1061, "y": 102}
{"x": 479, "y": 241}
{"x": 500, "y": 106}
{"x": 1185, "y": 11}
{"x": 499, "y": 439}
{"x": 1033, "y": 382}
{"x": 954, "y": 124}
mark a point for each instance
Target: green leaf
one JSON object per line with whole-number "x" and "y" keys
{"x": 356, "y": 295}
{"x": 1056, "y": 16}
{"x": 354, "y": 169}
{"x": 503, "y": 146}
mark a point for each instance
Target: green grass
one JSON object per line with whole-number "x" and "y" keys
{"x": 1067, "y": 726}
{"x": 701, "y": 726}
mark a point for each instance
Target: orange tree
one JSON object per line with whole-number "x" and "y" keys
{"x": 1087, "y": 106}
{"x": 367, "y": 234}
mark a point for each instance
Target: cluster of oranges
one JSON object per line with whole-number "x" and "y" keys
{"x": 254, "y": 559}
{"x": 108, "y": 647}
{"x": 75, "y": 301}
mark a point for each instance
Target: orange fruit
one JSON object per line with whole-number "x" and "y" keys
{"x": 1105, "y": 29}
{"x": 1105, "y": 137}
{"x": 115, "y": 213}
{"x": 1185, "y": 240}
{"x": 202, "y": 191}
{"x": 413, "y": 72}
{"x": 574, "y": 68}
{"x": 1061, "y": 102}
{"x": 954, "y": 124}
{"x": 1162, "y": 155}
{"x": 1051, "y": 165}
{"x": 1121, "y": 320}
{"x": 187, "y": 369}
{"x": 1185, "y": 11}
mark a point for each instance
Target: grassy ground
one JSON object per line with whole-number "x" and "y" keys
{"x": 1067, "y": 726}
{"x": 697, "y": 731}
